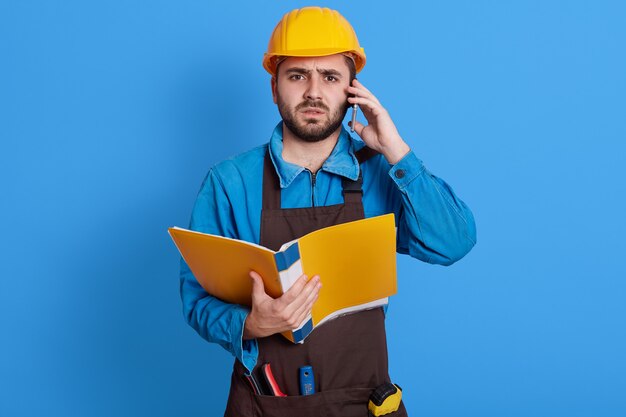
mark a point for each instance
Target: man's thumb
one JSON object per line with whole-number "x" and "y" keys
{"x": 258, "y": 289}
{"x": 358, "y": 127}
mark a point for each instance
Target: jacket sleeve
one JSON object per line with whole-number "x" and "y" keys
{"x": 434, "y": 225}
{"x": 215, "y": 320}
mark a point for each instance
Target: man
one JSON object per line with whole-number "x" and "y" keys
{"x": 314, "y": 174}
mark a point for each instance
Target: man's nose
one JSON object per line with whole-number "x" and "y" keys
{"x": 313, "y": 91}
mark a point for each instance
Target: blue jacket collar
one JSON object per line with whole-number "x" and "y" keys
{"x": 341, "y": 160}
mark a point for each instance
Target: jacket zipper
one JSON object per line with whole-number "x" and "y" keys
{"x": 312, "y": 188}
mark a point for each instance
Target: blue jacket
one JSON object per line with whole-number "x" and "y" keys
{"x": 433, "y": 224}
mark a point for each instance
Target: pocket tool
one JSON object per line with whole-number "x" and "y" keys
{"x": 385, "y": 399}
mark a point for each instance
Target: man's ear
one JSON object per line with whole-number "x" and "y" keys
{"x": 273, "y": 83}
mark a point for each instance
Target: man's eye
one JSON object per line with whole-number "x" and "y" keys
{"x": 331, "y": 78}
{"x": 296, "y": 77}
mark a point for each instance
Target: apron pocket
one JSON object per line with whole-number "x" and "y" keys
{"x": 347, "y": 402}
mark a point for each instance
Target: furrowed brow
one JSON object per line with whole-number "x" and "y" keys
{"x": 297, "y": 70}
{"x": 332, "y": 72}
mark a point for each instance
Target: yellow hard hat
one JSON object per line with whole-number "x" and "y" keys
{"x": 312, "y": 31}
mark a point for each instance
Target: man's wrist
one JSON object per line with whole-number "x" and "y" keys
{"x": 393, "y": 154}
{"x": 249, "y": 332}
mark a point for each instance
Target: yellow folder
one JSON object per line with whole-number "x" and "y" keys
{"x": 356, "y": 262}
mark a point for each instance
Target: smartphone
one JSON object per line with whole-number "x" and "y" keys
{"x": 354, "y": 108}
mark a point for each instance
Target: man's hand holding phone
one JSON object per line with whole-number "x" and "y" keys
{"x": 380, "y": 134}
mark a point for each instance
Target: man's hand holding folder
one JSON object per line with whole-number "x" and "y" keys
{"x": 269, "y": 315}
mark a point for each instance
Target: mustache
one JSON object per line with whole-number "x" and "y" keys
{"x": 310, "y": 103}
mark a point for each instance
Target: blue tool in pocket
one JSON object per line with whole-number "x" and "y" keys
{"x": 307, "y": 380}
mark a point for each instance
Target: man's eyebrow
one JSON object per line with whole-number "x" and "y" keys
{"x": 329, "y": 71}
{"x": 323, "y": 71}
{"x": 297, "y": 70}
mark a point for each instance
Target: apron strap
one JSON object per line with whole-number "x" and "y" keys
{"x": 271, "y": 184}
{"x": 352, "y": 191}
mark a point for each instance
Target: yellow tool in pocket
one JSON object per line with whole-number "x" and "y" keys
{"x": 385, "y": 399}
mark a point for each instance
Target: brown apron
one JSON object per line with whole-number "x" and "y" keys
{"x": 348, "y": 354}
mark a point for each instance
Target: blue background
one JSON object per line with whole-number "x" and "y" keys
{"x": 111, "y": 112}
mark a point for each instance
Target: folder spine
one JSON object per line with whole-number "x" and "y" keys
{"x": 300, "y": 334}
{"x": 287, "y": 258}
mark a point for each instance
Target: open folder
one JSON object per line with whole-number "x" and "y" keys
{"x": 356, "y": 262}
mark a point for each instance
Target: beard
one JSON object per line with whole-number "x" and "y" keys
{"x": 312, "y": 130}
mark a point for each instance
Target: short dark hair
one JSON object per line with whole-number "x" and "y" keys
{"x": 351, "y": 67}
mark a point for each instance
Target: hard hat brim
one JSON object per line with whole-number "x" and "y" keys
{"x": 270, "y": 60}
